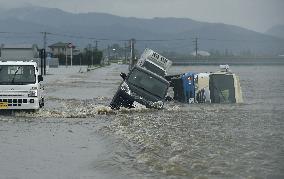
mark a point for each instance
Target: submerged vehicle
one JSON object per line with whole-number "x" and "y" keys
{"x": 141, "y": 86}
{"x": 20, "y": 86}
{"x": 224, "y": 87}
{"x": 219, "y": 87}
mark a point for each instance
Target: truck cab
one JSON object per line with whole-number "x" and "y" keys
{"x": 20, "y": 85}
{"x": 141, "y": 86}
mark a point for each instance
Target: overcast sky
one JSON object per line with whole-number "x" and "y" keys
{"x": 258, "y": 15}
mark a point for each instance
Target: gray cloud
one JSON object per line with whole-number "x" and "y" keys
{"x": 257, "y": 15}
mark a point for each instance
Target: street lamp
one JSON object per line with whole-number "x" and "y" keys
{"x": 71, "y": 52}
{"x": 114, "y": 52}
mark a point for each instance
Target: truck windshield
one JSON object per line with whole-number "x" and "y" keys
{"x": 148, "y": 83}
{"x": 17, "y": 74}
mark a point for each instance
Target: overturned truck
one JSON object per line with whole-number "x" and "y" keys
{"x": 144, "y": 84}
{"x": 147, "y": 84}
{"x": 222, "y": 86}
{"x": 141, "y": 86}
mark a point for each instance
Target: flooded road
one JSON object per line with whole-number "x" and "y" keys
{"x": 77, "y": 136}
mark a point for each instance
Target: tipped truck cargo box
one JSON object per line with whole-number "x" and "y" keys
{"x": 154, "y": 62}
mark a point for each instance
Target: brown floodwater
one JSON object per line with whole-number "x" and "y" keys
{"x": 76, "y": 135}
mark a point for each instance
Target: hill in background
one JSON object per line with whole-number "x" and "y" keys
{"x": 23, "y": 25}
{"x": 277, "y": 31}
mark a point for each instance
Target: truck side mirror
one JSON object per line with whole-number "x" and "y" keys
{"x": 40, "y": 78}
{"x": 123, "y": 75}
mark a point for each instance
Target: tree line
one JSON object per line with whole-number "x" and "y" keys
{"x": 87, "y": 56}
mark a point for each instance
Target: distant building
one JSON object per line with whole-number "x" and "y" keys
{"x": 19, "y": 52}
{"x": 201, "y": 53}
{"x": 60, "y": 48}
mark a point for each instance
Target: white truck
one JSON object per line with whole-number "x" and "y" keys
{"x": 154, "y": 62}
{"x": 20, "y": 86}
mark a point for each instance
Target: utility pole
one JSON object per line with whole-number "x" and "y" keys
{"x": 41, "y": 53}
{"x": 44, "y": 52}
{"x": 92, "y": 56}
{"x": 70, "y": 46}
{"x": 44, "y": 40}
{"x": 66, "y": 56}
{"x": 125, "y": 53}
{"x": 131, "y": 63}
{"x": 108, "y": 52}
{"x": 96, "y": 50}
{"x": 71, "y": 53}
{"x": 195, "y": 41}
{"x": 97, "y": 45}
{"x": 44, "y": 61}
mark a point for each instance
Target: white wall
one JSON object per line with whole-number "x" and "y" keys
{"x": 18, "y": 53}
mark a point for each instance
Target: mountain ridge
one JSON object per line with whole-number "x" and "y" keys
{"x": 95, "y": 25}
{"x": 277, "y": 31}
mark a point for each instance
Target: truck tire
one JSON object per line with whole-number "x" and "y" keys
{"x": 41, "y": 103}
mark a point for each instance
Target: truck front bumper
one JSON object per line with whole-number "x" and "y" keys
{"x": 18, "y": 103}
{"x": 123, "y": 99}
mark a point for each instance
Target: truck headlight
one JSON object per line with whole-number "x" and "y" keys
{"x": 124, "y": 87}
{"x": 32, "y": 93}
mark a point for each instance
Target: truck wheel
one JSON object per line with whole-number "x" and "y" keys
{"x": 41, "y": 103}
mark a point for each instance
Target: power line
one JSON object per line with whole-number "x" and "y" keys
{"x": 160, "y": 40}
{"x": 125, "y": 40}
{"x": 95, "y": 38}
{"x": 20, "y": 33}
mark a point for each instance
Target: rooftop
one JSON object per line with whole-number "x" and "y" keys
{"x": 18, "y": 46}
{"x": 61, "y": 44}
